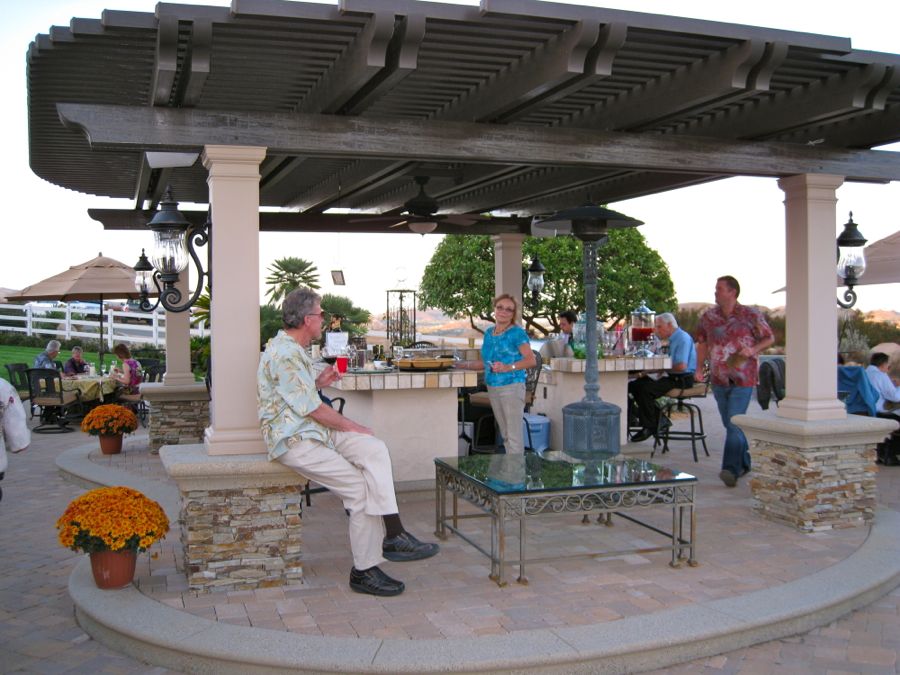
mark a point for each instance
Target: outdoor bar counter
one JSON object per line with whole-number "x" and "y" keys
{"x": 563, "y": 383}
{"x": 413, "y": 412}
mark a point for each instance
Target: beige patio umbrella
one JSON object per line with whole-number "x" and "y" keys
{"x": 96, "y": 279}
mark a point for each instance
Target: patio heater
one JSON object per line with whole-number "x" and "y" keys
{"x": 590, "y": 426}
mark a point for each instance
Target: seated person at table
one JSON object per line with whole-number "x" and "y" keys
{"x": 129, "y": 376}
{"x": 643, "y": 391}
{"x": 887, "y": 388}
{"x": 560, "y": 345}
{"x": 47, "y": 358}
{"x": 75, "y": 365}
{"x": 316, "y": 441}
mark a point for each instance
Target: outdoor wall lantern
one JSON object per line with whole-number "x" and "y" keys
{"x": 174, "y": 238}
{"x": 851, "y": 260}
{"x": 535, "y": 281}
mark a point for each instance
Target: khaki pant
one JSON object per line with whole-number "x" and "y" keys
{"x": 508, "y": 405}
{"x": 359, "y": 472}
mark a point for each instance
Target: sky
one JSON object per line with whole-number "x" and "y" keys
{"x": 734, "y": 226}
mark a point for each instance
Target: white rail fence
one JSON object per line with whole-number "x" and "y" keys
{"x": 136, "y": 328}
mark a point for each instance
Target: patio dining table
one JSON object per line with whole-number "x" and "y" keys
{"x": 92, "y": 387}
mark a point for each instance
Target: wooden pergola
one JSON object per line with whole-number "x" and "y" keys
{"x": 514, "y": 108}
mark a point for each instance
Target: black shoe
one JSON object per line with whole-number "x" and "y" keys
{"x": 641, "y": 435}
{"x": 405, "y": 547}
{"x": 728, "y": 478}
{"x": 374, "y": 582}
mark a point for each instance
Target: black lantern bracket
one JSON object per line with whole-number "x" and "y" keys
{"x": 851, "y": 260}
{"x": 170, "y": 223}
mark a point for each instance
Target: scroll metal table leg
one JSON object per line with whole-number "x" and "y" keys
{"x": 692, "y": 561}
{"x": 522, "y": 578}
{"x": 676, "y": 546}
{"x": 440, "y": 507}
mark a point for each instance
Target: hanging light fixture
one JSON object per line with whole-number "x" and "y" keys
{"x": 422, "y": 227}
{"x": 174, "y": 238}
{"x": 851, "y": 260}
{"x": 535, "y": 280}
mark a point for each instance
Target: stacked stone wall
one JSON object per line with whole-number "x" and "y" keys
{"x": 177, "y": 422}
{"x": 814, "y": 489}
{"x": 242, "y": 538}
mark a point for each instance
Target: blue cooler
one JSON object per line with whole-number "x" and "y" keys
{"x": 539, "y": 427}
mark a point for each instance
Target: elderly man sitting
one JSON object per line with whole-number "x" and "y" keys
{"x": 47, "y": 358}
{"x": 76, "y": 365}
{"x": 645, "y": 390}
{"x": 307, "y": 435}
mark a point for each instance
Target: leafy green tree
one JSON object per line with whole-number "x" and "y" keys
{"x": 459, "y": 279}
{"x": 269, "y": 323}
{"x": 286, "y": 274}
{"x": 353, "y": 319}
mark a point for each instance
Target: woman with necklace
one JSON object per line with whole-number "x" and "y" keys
{"x": 505, "y": 356}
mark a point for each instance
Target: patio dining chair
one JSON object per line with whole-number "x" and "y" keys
{"x": 45, "y": 387}
{"x": 18, "y": 378}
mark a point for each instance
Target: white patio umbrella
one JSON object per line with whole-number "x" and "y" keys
{"x": 96, "y": 279}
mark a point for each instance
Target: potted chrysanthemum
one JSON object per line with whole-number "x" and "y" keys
{"x": 112, "y": 524}
{"x": 109, "y": 422}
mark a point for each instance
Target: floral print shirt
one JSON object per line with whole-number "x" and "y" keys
{"x": 286, "y": 395}
{"x": 725, "y": 336}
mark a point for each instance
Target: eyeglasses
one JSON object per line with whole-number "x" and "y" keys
{"x": 321, "y": 314}
{"x": 503, "y": 308}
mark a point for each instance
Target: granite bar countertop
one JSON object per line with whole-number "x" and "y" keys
{"x": 614, "y": 364}
{"x": 392, "y": 380}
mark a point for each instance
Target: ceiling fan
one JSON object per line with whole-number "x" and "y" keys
{"x": 420, "y": 213}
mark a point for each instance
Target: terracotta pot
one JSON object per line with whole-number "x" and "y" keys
{"x": 111, "y": 445}
{"x": 113, "y": 569}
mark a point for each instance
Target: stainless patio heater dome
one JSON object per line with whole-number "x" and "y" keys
{"x": 590, "y": 426}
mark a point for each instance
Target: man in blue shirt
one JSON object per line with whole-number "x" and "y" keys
{"x": 643, "y": 391}
{"x": 47, "y": 358}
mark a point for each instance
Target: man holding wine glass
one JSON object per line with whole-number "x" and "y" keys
{"x": 339, "y": 454}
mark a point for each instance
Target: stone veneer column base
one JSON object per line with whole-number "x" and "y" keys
{"x": 179, "y": 414}
{"x": 240, "y": 519}
{"x": 814, "y": 475}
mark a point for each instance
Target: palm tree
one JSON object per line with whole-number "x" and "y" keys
{"x": 286, "y": 274}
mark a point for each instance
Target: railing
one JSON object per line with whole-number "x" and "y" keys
{"x": 66, "y": 323}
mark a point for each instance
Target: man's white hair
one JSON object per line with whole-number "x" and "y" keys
{"x": 669, "y": 318}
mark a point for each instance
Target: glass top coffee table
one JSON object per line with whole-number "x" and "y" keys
{"x": 510, "y": 488}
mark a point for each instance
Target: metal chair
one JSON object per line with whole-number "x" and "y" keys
{"x": 45, "y": 387}
{"x": 307, "y": 490}
{"x": 154, "y": 373}
{"x": 18, "y": 378}
{"x": 681, "y": 403}
{"x": 421, "y": 344}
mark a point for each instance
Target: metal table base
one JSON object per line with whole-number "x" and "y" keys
{"x": 504, "y": 508}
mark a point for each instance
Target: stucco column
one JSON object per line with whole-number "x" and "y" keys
{"x": 811, "y": 316}
{"x": 234, "y": 197}
{"x": 508, "y": 265}
{"x": 178, "y": 340}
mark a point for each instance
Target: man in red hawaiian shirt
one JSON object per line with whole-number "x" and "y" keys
{"x": 731, "y": 335}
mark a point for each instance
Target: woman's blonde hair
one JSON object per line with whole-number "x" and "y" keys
{"x": 507, "y": 296}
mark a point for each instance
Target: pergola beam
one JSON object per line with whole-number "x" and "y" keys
{"x": 269, "y": 221}
{"x": 126, "y": 127}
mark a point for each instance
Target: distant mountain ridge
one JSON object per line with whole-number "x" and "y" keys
{"x": 433, "y": 321}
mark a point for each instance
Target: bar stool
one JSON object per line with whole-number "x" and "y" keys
{"x": 681, "y": 403}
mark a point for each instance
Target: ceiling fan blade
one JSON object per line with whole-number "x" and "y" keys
{"x": 402, "y": 222}
{"x": 460, "y": 219}
{"x": 373, "y": 219}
